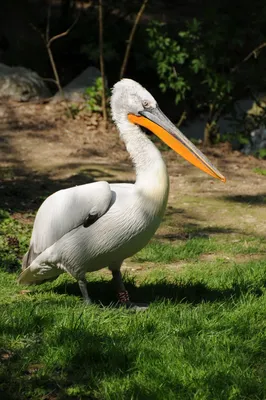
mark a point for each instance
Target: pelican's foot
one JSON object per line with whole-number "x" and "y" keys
{"x": 135, "y": 306}
{"x": 87, "y": 302}
{"x": 125, "y": 302}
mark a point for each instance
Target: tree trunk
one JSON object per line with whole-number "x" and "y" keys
{"x": 207, "y": 135}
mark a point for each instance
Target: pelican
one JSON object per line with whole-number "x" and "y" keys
{"x": 88, "y": 227}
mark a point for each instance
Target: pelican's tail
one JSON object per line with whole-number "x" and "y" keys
{"x": 25, "y": 261}
{"x": 36, "y": 273}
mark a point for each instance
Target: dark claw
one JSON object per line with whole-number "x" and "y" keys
{"x": 87, "y": 302}
{"x": 134, "y": 306}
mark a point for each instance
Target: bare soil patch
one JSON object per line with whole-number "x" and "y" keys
{"x": 42, "y": 150}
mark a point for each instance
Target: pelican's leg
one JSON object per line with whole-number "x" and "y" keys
{"x": 83, "y": 288}
{"x": 123, "y": 296}
{"x": 121, "y": 291}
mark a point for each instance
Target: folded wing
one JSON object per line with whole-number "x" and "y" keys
{"x": 66, "y": 210}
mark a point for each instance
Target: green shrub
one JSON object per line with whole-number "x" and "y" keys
{"x": 187, "y": 64}
{"x": 93, "y": 95}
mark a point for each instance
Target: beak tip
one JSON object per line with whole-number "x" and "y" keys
{"x": 185, "y": 148}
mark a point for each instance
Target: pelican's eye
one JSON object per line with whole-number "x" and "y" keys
{"x": 146, "y": 104}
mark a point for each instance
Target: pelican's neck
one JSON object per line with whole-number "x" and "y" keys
{"x": 151, "y": 173}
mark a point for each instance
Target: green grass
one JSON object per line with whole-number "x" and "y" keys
{"x": 159, "y": 252}
{"x": 203, "y": 336}
{"x": 164, "y": 252}
{"x": 260, "y": 171}
{"x": 14, "y": 239}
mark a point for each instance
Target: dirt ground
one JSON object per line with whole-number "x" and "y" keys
{"x": 42, "y": 150}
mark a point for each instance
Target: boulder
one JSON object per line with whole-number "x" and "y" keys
{"x": 75, "y": 90}
{"x": 257, "y": 141}
{"x": 21, "y": 84}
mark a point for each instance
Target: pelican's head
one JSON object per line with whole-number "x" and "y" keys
{"x": 131, "y": 103}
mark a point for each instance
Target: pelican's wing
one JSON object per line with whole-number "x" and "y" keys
{"x": 66, "y": 210}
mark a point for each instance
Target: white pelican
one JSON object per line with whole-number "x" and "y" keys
{"x": 92, "y": 226}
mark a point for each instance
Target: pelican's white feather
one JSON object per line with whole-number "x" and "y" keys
{"x": 128, "y": 214}
{"x": 64, "y": 211}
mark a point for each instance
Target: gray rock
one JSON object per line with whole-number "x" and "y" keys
{"x": 74, "y": 91}
{"x": 227, "y": 123}
{"x": 21, "y": 84}
{"x": 257, "y": 141}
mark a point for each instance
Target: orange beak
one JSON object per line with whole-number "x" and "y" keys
{"x": 155, "y": 120}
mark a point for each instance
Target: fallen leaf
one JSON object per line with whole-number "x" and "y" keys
{"x": 24, "y": 291}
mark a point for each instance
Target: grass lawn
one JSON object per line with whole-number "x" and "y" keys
{"x": 204, "y": 275}
{"x": 203, "y": 336}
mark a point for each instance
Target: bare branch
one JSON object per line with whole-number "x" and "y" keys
{"x": 38, "y": 31}
{"x": 48, "y": 41}
{"x": 252, "y": 53}
{"x": 48, "y": 79}
{"x": 131, "y": 37}
{"x": 60, "y": 35}
{"x": 104, "y": 108}
{"x": 48, "y": 22}
{"x": 57, "y": 79}
{"x": 182, "y": 119}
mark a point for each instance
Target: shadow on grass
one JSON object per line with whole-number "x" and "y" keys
{"x": 27, "y": 191}
{"x": 93, "y": 358}
{"x": 24, "y": 191}
{"x": 194, "y": 230}
{"x": 194, "y": 293}
{"x": 247, "y": 199}
{"x": 86, "y": 356}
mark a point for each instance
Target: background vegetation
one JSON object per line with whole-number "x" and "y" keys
{"x": 204, "y": 334}
{"x": 200, "y": 56}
